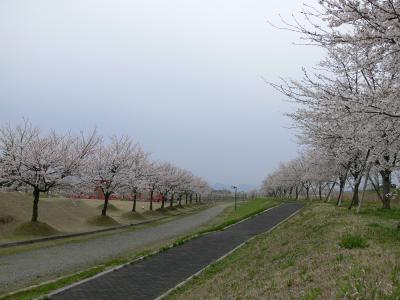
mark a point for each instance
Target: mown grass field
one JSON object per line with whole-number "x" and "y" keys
{"x": 324, "y": 252}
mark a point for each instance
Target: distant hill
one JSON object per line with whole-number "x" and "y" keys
{"x": 241, "y": 187}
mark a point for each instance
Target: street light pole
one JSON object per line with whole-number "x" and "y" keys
{"x": 235, "y": 188}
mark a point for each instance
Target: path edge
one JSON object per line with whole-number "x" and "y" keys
{"x": 227, "y": 254}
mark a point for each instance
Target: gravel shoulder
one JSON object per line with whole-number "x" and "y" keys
{"x": 26, "y": 268}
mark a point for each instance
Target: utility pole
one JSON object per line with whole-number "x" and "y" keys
{"x": 235, "y": 188}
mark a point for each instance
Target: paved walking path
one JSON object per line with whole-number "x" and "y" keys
{"x": 155, "y": 275}
{"x": 26, "y": 268}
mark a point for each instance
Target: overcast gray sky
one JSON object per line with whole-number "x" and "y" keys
{"x": 181, "y": 77}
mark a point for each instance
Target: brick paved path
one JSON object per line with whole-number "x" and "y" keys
{"x": 155, "y": 275}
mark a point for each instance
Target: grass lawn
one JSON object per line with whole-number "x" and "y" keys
{"x": 324, "y": 252}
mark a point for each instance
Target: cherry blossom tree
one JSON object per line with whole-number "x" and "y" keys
{"x": 185, "y": 179}
{"x": 109, "y": 168}
{"x": 54, "y": 162}
{"x": 170, "y": 180}
{"x": 41, "y": 162}
{"x": 136, "y": 173}
{"x": 344, "y": 103}
{"x": 200, "y": 187}
{"x": 153, "y": 180}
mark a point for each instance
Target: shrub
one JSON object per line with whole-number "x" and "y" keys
{"x": 351, "y": 241}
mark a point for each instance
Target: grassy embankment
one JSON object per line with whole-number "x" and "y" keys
{"x": 62, "y": 215}
{"x": 228, "y": 217}
{"x": 324, "y": 252}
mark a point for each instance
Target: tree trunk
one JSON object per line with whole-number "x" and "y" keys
{"x": 151, "y": 200}
{"x": 134, "y": 201}
{"x": 386, "y": 188}
{"x": 342, "y": 182}
{"x": 191, "y": 198}
{"x": 171, "y": 201}
{"x": 364, "y": 188}
{"x": 328, "y": 197}
{"x": 162, "y": 200}
{"x": 320, "y": 192}
{"x": 297, "y": 193}
{"x": 35, "y": 209}
{"x": 314, "y": 191}
{"x": 307, "y": 192}
{"x": 180, "y": 200}
{"x": 376, "y": 188}
{"x": 355, "y": 198}
{"x": 104, "y": 210}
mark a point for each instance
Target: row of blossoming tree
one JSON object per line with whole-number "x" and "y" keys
{"x": 68, "y": 163}
{"x": 348, "y": 106}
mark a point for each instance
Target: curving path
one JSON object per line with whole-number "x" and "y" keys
{"x": 157, "y": 274}
{"x": 22, "y": 269}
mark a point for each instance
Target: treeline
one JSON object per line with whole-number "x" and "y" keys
{"x": 348, "y": 108}
{"x": 69, "y": 163}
